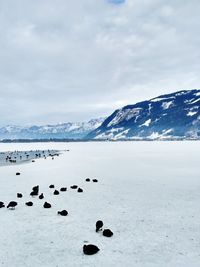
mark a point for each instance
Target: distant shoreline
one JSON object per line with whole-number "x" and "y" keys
{"x": 92, "y": 140}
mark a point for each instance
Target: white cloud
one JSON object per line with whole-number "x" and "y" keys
{"x": 61, "y": 59}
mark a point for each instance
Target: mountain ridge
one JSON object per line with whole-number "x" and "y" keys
{"x": 168, "y": 116}
{"x": 69, "y": 130}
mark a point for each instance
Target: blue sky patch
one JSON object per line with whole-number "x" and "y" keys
{"x": 116, "y": 1}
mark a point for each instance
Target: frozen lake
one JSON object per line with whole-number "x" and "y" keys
{"x": 148, "y": 194}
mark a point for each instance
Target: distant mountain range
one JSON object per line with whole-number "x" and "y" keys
{"x": 166, "y": 117}
{"x": 170, "y": 116}
{"x": 68, "y": 130}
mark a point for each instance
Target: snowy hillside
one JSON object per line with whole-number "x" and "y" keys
{"x": 65, "y": 130}
{"x": 171, "y": 116}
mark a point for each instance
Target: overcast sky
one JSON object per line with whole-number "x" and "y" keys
{"x": 72, "y": 60}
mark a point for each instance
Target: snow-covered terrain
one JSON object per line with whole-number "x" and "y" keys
{"x": 70, "y": 130}
{"x": 171, "y": 116}
{"x": 147, "y": 194}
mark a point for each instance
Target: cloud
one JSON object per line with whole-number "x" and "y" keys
{"x": 73, "y": 60}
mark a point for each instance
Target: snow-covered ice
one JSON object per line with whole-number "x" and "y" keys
{"x": 148, "y": 194}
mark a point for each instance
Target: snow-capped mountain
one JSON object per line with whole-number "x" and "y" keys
{"x": 171, "y": 116}
{"x": 68, "y": 130}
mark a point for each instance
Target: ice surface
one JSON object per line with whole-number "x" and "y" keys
{"x": 148, "y": 194}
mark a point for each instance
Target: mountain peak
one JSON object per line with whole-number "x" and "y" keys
{"x": 69, "y": 130}
{"x": 170, "y": 116}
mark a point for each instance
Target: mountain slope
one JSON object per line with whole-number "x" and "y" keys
{"x": 68, "y": 130}
{"x": 170, "y": 116}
